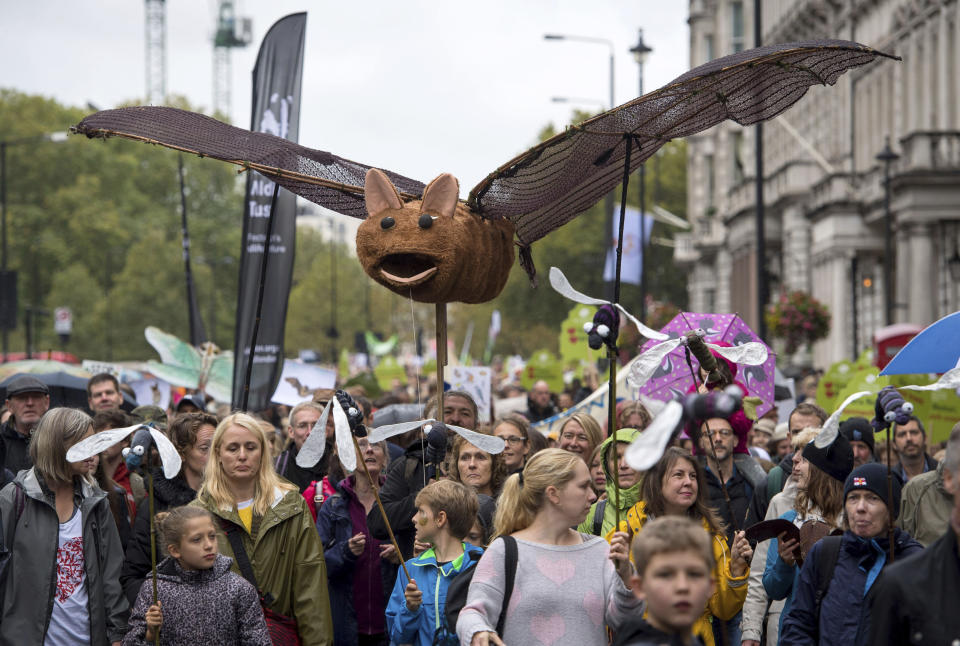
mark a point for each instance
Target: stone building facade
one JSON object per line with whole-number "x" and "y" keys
{"x": 823, "y": 185}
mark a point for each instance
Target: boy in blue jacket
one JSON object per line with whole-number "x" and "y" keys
{"x": 446, "y": 510}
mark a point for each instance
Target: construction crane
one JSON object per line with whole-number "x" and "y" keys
{"x": 156, "y": 51}
{"x": 231, "y": 32}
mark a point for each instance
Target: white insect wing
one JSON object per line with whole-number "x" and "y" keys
{"x": 489, "y": 443}
{"x": 98, "y": 443}
{"x": 646, "y": 450}
{"x": 316, "y": 443}
{"x": 168, "y": 454}
{"x": 747, "y": 354}
{"x": 563, "y": 287}
{"x": 387, "y": 431}
{"x": 647, "y": 363}
{"x": 644, "y": 330}
{"x": 950, "y": 379}
{"x": 348, "y": 456}
{"x": 831, "y": 427}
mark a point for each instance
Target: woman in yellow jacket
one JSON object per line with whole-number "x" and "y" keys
{"x": 676, "y": 486}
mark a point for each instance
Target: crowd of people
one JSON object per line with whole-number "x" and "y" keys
{"x": 556, "y": 540}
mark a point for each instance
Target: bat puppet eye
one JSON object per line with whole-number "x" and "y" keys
{"x": 907, "y": 408}
{"x": 126, "y": 451}
{"x": 588, "y": 327}
{"x": 387, "y": 222}
{"x": 138, "y": 450}
{"x": 425, "y": 221}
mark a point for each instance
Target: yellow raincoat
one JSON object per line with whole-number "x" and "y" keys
{"x": 731, "y": 591}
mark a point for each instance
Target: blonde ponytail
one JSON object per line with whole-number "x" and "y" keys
{"x": 524, "y": 493}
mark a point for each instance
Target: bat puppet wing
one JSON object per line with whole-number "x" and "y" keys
{"x": 422, "y": 241}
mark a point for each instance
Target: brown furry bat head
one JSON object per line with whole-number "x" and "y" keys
{"x": 434, "y": 249}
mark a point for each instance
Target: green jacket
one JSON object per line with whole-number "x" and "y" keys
{"x": 287, "y": 559}
{"x": 925, "y": 507}
{"x": 628, "y": 497}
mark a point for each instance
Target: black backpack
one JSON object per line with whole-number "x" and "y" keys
{"x": 457, "y": 590}
{"x": 826, "y": 564}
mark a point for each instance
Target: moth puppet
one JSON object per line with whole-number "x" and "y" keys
{"x": 348, "y": 426}
{"x": 137, "y": 457}
{"x": 423, "y": 242}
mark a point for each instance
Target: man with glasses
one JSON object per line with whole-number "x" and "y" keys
{"x": 302, "y": 419}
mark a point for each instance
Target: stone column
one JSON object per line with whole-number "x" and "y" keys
{"x": 943, "y": 78}
{"x": 922, "y": 264}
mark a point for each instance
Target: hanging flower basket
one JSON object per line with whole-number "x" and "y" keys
{"x": 798, "y": 319}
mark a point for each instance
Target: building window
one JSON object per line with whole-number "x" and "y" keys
{"x": 708, "y": 47}
{"x": 736, "y": 155}
{"x": 736, "y": 12}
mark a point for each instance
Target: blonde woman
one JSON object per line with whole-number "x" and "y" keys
{"x": 63, "y": 579}
{"x": 580, "y": 434}
{"x": 269, "y": 522}
{"x": 569, "y": 587}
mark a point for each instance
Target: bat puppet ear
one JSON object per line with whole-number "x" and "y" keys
{"x": 440, "y": 196}
{"x": 379, "y": 194}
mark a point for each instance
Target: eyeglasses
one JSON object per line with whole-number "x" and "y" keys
{"x": 514, "y": 440}
{"x": 578, "y": 437}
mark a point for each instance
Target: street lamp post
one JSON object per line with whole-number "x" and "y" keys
{"x": 640, "y": 52}
{"x": 887, "y": 156}
{"x": 608, "y": 200}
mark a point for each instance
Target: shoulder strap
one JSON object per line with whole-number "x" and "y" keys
{"x": 826, "y": 564}
{"x": 510, "y": 570}
{"x": 20, "y": 501}
{"x": 243, "y": 561}
{"x": 598, "y": 517}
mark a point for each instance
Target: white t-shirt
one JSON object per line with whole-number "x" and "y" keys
{"x": 70, "y": 620}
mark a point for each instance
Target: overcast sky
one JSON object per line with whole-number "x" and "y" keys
{"x": 416, "y": 86}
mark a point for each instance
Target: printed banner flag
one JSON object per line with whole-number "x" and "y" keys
{"x": 276, "y": 110}
{"x": 631, "y": 264}
{"x": 475, "y": 381}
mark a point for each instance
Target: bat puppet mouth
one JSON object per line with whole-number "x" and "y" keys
{"x": 407, "y": 269}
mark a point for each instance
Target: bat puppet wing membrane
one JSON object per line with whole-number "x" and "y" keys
{"x": 422, "y": 241}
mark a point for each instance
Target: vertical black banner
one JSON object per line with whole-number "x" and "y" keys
{"x": 275, "y": 110}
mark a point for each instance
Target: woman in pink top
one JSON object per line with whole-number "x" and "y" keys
{"x": 569, "y": 587}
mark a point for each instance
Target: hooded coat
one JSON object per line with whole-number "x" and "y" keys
{"x": 844, "y": 615}
{"x": 212, "y": 606}
{"x": 731, "y": 591}
{"x": 287, "y": 559}
{"x": 427, "y": 625}
{"x": 628, "y": 497}
{"x": 167, "y": 493}
{"x": 31, "y": 577}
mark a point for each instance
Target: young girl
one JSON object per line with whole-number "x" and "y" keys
{"x": 199, "y": 600}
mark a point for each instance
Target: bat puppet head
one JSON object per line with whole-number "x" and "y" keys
{"x": 434, "y": 249}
